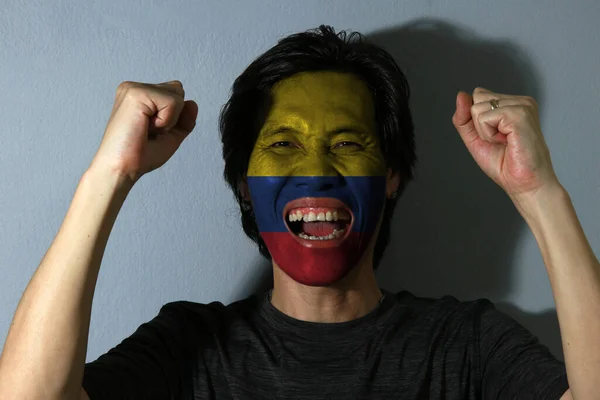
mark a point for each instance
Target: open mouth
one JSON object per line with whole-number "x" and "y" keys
{"x": 318, "y": 222}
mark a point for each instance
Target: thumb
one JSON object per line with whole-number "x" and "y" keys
{"x": 187, "y": 118}
{"x": 170, "y": 141}
{"x": 462, "y": 119}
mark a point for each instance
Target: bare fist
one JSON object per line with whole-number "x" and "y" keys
{"x": 147, "y": 124}
{"x": 506, "y": 140}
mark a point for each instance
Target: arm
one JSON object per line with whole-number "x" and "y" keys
{"x": 44, "y": 353}
{"x": 574, "y": 274}
{"x": 503, "y": 134}
{"x": 46, "y": 345}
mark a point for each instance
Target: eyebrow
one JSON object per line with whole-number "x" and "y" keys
{"x": 352, "y": 127}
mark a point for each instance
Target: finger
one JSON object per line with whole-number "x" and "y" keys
{"x": 481, "y": 95}
{"x": 515, "y": 102}
{"x": 187, "y": 118}
{"x": 495, "y": 124}
{"x": 168, "y": 108}
{"x": 462, "y": 118}
{"x": 484, "y": 106}
{"x": 485, "y": 132}
{"x": 172, "y": 139}
{"x": 173, "y": 87}
{"x": 487, "y": 126}
{"x": 465, "y": 125}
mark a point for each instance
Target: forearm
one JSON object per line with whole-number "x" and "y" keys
{"x": 574, "y": 274}
{"x": 44, "y": 352}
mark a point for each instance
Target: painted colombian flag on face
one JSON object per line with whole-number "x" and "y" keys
{"x": 304, "y": 250}
{"x": 317, "y": 152}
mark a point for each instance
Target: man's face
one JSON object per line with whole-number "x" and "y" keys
{"x": 317, "y": 177}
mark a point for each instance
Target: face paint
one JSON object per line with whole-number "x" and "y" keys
{"x": 317, "y": 178}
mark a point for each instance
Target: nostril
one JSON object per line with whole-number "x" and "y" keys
{"x": 317, "y": 183}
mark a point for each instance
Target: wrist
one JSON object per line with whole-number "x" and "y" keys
{"x": 111, "y": 185}
{"x": 542, "y": 203}
{"x": 109, "y": 178}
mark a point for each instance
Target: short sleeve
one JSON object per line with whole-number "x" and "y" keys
{"x": 514, "y": 364}
{"x": 153, "y": 363}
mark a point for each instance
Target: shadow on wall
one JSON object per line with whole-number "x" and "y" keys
{"x": 544, "y": 326}
{"x": 455, "y": 231}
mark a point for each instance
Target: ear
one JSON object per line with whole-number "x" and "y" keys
{"x": 392, "y": 183}
{"x": 243, "y": 189}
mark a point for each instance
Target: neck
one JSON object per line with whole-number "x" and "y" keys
{"x": 353, "y": 297}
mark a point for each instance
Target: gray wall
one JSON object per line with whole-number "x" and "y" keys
{"x": 178, "y": 235}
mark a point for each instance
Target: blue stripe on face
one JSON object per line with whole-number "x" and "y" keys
{"x": 364, "y": 195}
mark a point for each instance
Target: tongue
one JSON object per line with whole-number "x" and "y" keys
{"x": 321, "y": 228}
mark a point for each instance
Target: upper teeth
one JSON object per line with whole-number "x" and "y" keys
{"x": 311, "y": 216}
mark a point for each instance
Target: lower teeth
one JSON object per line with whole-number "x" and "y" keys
{"x": 335, "y": 235}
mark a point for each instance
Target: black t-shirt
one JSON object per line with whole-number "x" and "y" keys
{"x": 407, "y": 348}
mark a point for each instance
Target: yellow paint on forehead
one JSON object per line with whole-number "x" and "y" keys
{"x": 319, "y": 124}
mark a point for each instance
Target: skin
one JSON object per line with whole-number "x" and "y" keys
{"x": 44, "y": 352}
{"x": 508, "y": 145}
{"x": 303, "y": 136}
{"x": 313, "y": 106}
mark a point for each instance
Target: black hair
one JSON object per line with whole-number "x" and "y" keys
{"x": 319, "y": 49}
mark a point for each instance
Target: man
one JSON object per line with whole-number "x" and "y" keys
{"x": 317, "y": 142}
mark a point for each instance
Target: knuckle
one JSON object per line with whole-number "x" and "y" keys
{"x": 478, "y": 119}
{"x": 171, "y": 105}
{"x": 530, "y": 101}
{"x": 132, "y": 90}
{"x": 125, "y": 85}
{"x": 176, "y": 87}
{"x": 172, "y": 101}
{"x": 521, "y": 111}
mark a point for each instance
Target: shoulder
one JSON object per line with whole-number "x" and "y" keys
{"x": 445, "y": 304}
{"x": 446, "y": 313}
{"x": 209, "y": 315}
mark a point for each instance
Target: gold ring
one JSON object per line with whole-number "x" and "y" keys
{"x": 494, "y": 104}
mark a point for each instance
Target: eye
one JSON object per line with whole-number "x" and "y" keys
{"x": 282, "y": 143}
{"x": 346, "y": 144}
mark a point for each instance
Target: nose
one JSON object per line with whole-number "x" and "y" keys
{"x": 318, "y": 174}
{"x": 318, "y": 183}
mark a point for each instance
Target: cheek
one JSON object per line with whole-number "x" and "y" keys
{"x": 360, "y": 164}
{"x": 369, "y": 194}
{"x": 264, "y": 192}
{"x": 265, "y": 164}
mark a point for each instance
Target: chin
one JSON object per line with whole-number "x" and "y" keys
{"x": 316, "y": 266}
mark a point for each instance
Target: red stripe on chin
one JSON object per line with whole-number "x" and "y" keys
{"x": 318, "y": 265}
